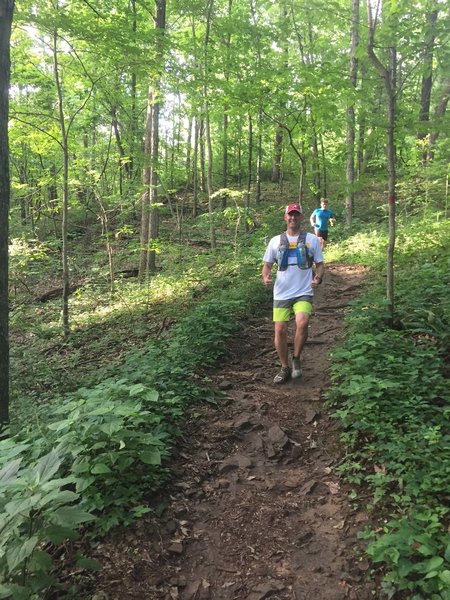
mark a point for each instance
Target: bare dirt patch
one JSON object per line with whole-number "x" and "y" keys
{"x": 255, "y": 508}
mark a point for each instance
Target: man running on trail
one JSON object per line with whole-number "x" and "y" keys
{"x": 294, "y": 251}
{"x": 319, "y": 219}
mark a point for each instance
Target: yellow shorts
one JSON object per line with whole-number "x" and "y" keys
{"x": 283, "y": 309}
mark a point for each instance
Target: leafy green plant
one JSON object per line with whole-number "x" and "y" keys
{"x": 116, "y": 448}
{"x": 390, "y": 393}
{"x": 27, "y": 259}
{"x": 38, "y": 510}
{"x": 417, "y": 551}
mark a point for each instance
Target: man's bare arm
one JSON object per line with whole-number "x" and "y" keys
{"x": 267, "y": 274}
{"x": 320, "y": 270}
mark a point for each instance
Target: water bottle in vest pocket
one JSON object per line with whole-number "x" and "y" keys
{"x": 304, "y": 259}
{"x": 283, "y": 253}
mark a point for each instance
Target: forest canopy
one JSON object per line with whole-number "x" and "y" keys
{"x": 244, "y": 91}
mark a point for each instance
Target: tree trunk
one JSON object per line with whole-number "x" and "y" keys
{"x": 149, "y": 219}
{"x": 277, "y": 155}
{"x": 124, "y": 163}
{"x": 154, "y": 212}
{"x": 65, "y": 190}
{"x": 225, "y": 115}
{"x": 438, "y": 116}
{"x": 195, "y": 171}
{"x": 389, "y": 77}
{"x": 360, "y": 154}
{"x": 134, "y": 117}
{"x": 6, "y": 13}
{"x": 250, "y": 161}
{"x": 427, "y": 79}
{"x": 324, "y": 167}
{"x": 315, "y": 161}
{"x": 189, "y": 153}
{"x": 278, "y": 139}
{"x": 353, "y": 73}
{"x": 201, "y": 147}
{"x": 239, "y": 154}
{"x": 391, "y": 184}
{"x": 145, "y": 212}
{"x": 302, "y": 176}
{"x": 160, "y": 26}
{"x": 259, "y": 157}
{"x": 108, "y": 238}
{"x": 225, "y": 155}
{"x": 212, "y": 230}
{"x": 172, "y": 142}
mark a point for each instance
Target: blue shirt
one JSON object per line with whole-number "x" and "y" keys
{"x": 321, "y": 218}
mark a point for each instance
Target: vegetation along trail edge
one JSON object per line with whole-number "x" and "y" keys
{"x": 255, "y": 508}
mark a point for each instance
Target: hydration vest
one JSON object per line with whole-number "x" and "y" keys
{"x": 304, "y": 258}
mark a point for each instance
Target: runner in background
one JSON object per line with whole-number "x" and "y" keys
{"x": 319, "y": 219}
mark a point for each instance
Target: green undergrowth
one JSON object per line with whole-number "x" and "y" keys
{"x": 97, "y": 416}
{"x": 105, "y": 325}
{"x": 90, "y": 459}
{"x": 390, "y": 392}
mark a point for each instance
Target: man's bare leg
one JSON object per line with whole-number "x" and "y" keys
{"x": 301, "y": 335}
{"x": 301, "y": 332}
{"x": 281, "y": 342}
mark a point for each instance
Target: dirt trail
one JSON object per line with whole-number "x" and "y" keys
{"x": 255, "y": 509}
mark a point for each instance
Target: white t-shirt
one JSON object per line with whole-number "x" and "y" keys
{"x": 293, "y": 282}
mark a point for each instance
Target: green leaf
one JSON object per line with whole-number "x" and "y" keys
{"x": 5, "y": 591}
{"x": 99, "y": 446}
{"x": 22, "y": 506}
{"x": 9, "y": 449}
{"x": 83, "y": 483}
{"x": 447, "y": 553}
{"x": 136, "y": 389}
{"x": 12, "y": 590}
{"x": 9, "y": 471}
{"x": 100, "y": 468}
{"x": 111, "y": 427}
{"x": 140, "y": 510}
{"x": 59, "y": 497}
{"x": 105, "y": 408}
{"x": 57, "y": 534}
{"x": 431, "y": 574}
{"x": 151, "y": 396}
{"x": 80, "y": 466}
{"x": 59, "y": 425}
{"x": 48, "y": 466}
{"x": 404, "y": 567}
{"x": 434, "y": 563}
{"x": 41, "y": 581}
{"x": 151, "y": 457}
{"x": 18, "y": 553}
{"x": 70, "y": 516}
{"x": 426, "y": 550}
{"x": 41, "y": 561}
{"x": 429, "y": 565}
{"x": 445, "y": 576}
{"x": 58, "y": 483}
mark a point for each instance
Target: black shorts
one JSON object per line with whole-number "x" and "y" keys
{"x": 322, "y": 233}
